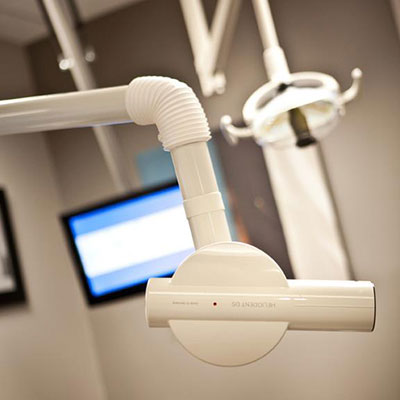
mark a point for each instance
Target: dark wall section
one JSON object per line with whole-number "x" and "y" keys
{"x": 249, "y": 184}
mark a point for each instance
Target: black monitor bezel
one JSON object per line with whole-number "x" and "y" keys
{"x": 17, "y": 295}
{"x": 65, "y": 217}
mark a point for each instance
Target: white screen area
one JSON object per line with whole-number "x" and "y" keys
{"x": 127, "y": 242}
{"x": 135, "y": 242}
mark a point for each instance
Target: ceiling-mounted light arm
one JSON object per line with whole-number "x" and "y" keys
{"x": 292, "y": 108}
{"x": 274, "y": 57}
{"x": 75, "y": 60}
{"x": 210, "y": 46}
{"x": 274, "y": 61}
{"x": 65, "y": 63}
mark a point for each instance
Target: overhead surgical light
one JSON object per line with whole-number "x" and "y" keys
{"x": 298, "y": 109}
{"x": 292, "y": 108}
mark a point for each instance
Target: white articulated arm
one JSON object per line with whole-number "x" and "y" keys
{"x": 168, "y": 103}
{"x": 183, "y": 130}
{"x": 228, "y": 303}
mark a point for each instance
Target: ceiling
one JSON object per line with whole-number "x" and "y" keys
{"x": 21, "y": 20}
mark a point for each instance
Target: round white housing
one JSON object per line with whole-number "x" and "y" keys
{"x": 267, "y": 109}
{"x": 230, "y": 304}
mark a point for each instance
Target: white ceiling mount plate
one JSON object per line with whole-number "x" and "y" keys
{"x": 229, "y": 343}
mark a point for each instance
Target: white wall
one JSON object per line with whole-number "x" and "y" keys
{"x": 363, "y": 161}
{"x": 46, "y": 346}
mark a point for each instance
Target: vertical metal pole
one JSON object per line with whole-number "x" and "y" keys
{"x": 265, "y": 23}
{"x": 83, "y": 78}
{"x": 274, "y": 57}
{"x": 221, "y": 33}
{"x": 210, "y": 46}
{"x": 196, "y": 24}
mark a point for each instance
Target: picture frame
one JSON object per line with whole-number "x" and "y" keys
{"x": 11, "y": 284}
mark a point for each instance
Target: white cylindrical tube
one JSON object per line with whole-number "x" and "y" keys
{"x": 305, "y": 305}
{"x": 202, "y": 199}
{"x": 184, "y": 131}
{"x": 332, "y": 305}
{"x": 274, "y": 57}
{"x": 196, "y": 24}
{"x": 69, "y": 42}
{"x": 62, "y": 111}
{"x": 265, "y": 23}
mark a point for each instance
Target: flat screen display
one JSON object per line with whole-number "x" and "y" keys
{"x": 118, "y": 246}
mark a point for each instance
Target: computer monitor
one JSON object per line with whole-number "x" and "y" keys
{"x": 120, "y": 244}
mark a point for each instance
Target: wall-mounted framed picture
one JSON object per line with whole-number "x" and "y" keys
{"x": 11, "y": 285}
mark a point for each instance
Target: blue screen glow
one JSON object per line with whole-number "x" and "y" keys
{"x": 126, "y": 243}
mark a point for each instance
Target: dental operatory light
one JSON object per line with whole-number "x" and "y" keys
{"x": 296, "y": 110}
{"x": 292, "y": 108}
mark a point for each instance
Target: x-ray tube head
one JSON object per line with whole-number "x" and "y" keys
{"x": 230, "y": 304}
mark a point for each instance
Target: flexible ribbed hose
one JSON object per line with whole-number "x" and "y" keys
{"x": 172, "y": 106}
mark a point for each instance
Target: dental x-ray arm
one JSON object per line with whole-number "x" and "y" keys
{"x": 228, "y": 303}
